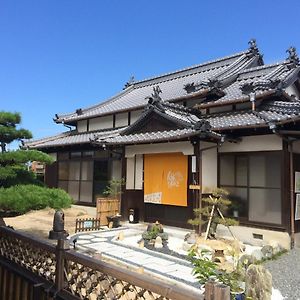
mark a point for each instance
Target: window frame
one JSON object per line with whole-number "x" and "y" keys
{"x": 245, "y": 220}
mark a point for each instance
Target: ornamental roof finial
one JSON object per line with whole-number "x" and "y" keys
{"x": 130, "y": 82}
{"x": 155, "y": 99}
{"x": 253, "y": 46}
{"x": 156, "y": 92}
{"x": 293, "y": 56}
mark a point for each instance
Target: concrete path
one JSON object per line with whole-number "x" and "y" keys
{"x": 127, "y": 251}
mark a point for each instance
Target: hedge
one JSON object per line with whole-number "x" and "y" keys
{"x": 23, "y": 198}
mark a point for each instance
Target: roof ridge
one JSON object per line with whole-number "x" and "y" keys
{"x": 191, "y": 67}
{"x": 262, "y": 67}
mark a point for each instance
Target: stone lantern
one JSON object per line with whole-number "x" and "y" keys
{"x": 58, "y": 232}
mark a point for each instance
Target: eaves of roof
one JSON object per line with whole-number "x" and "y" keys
{"x": 70, "y": 138}
{"x": 158, "y": 137}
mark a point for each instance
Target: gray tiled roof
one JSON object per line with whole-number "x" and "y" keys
{"x": 262, "y": 78}
{"x": 70, "y": 138}
{"x": 234, "y": 119}
{"x": 171, "y": 85}
{"x": 149, "y": 137}
{"x": 223, "y": 81}
{"x": 272, "y": 111}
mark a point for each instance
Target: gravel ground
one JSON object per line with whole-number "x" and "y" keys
{"x": 286, "y": 274}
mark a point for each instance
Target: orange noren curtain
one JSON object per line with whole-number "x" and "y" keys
{"x": 165, "y": 178}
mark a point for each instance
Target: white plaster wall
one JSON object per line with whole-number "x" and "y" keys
{"x": 121, "y": 120}
{"x": 134, "y": 115}
{"x": 209, "y": 167}
{"x": 268, "y": 142}
{"x": 130, "y": 173}
{"x": 101, "y": 123}
{"x": 82, "y": 126}
{"x": 139, "y": 165}
{"x": 185, "y": 147}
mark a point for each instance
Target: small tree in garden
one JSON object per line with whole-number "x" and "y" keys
{"x": 114, "y": 188}
{"x": 17, "y": 194}
{"x": 212, "y": 212}
{"x": 13, "y": 168}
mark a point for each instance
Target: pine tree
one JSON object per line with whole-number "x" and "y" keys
{"x": 212, "y": 206}
{"x": 13, "y": 168}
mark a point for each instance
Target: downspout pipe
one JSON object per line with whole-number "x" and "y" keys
{"x": 292, "y": 190}
{"x": 69, "y": 127}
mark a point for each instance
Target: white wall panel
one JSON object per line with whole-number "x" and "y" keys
{"x": 101, "y": 123}
{"x": 185, "y": 147}
{"x": 130, "y": 162}
{"x": 270, "y": 142}
{"x": 209, "y": 169}
{"x": 121, "y": 120}
{"x": 134, "y": 115}
{"x": 82, "y": 126}
{"x": 139, "y": 164}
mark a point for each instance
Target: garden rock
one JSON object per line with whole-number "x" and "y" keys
{"x": 276, "y": 246}
{"x": 246, "y": 260}
{"x": 158, "y": 242}
{"x": 186, "y": 246}
{"x": 267, "y": 251}
{"x": 254, "y": 251}
{"x": 258, "y": 283}
{"x": 205, "y": 247}
{"x": 191, "y": 238}
{"x": 257, "y": 253}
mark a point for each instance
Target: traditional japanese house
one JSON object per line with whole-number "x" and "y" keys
{"x": 232, "y": 123}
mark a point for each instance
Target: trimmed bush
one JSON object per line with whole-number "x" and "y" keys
{"x": 23, "y": 198}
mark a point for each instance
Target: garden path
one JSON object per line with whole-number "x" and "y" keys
{"x": 174, "y": 269}
{"x": 286, "y": 274}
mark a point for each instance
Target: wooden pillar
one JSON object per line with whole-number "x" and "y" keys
{"x": 292, "y": 196}
{"x": 197, "y": 177}
{"x": 59, "y": 271}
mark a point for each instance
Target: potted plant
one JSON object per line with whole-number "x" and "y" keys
{"x": 113, "y": 191}
{"x": 235, "y": 206}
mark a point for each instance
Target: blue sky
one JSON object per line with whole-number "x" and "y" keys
{"x": 60, "y": 55}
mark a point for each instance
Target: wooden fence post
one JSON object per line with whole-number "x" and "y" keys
{"x": 59, "y": 271}
{"x": 222, "y": 292}
{"x": 216, "y": 291}
{"x": 209, "y": 290}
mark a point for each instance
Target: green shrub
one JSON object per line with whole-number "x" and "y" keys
{"x": 23, "y": 198}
